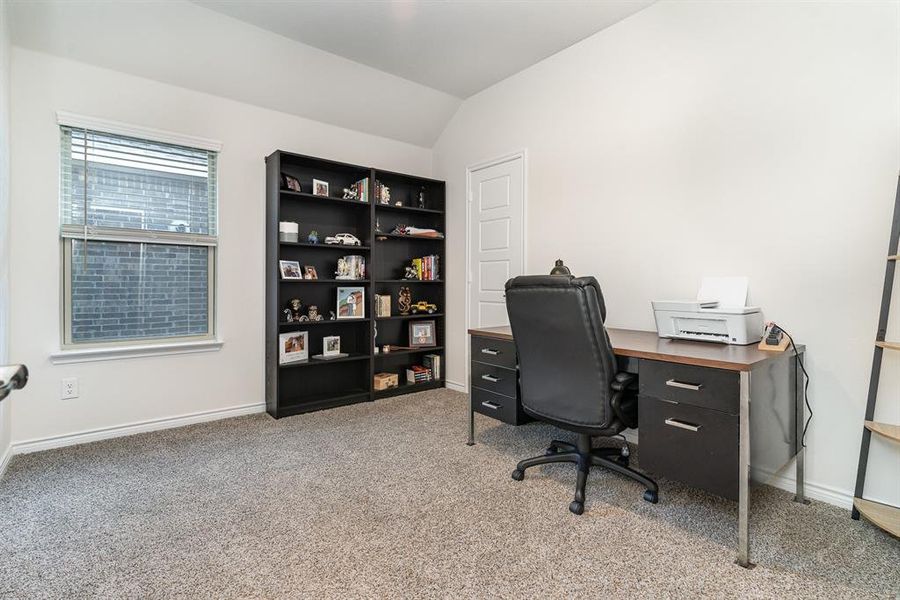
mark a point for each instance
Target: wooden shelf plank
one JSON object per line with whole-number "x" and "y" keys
{"x": 408, "y": 237}
{"x": 882, "y": 515}
{"x": 888, "y": 345}
{"x": 409, "y": 388}
{"x": 887, "y": 430}
{"x": 412, "y": 209}
{"x": 409, "y": 281}
{"x": 309, "y": 196}
{"x": 404, "y": 317}
{"x": 343, "y": 247}
{"x": 311, "y": 362}
{"x": 348, "y": 282}
{"x": 285, "y": 324}
{"x": 405, "y": 352}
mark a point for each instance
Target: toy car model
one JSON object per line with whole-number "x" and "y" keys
{"x": 343, "y": 239}
{"x": 423, "y": 307}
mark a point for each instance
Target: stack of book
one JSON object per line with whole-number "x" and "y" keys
{"x": 433, "y": 363}
{"x": 361, "y": 188}
{"x": 427, "y": 267}
{"x": 418, "y": 374}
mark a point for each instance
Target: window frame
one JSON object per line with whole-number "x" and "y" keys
{"x": 70, "y": 233}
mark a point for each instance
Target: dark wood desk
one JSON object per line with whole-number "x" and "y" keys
{"x": 695, "y": 419}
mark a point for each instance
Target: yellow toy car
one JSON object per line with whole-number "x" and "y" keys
{"x": 423, "y": 307}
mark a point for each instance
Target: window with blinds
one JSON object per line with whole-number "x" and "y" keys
{"x": 138, "y": 230}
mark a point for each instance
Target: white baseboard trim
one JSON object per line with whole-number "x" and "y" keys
{"x": 812, "y": 490}
{"x": 105, "y": 433}
{"x": 4, "y": 460}
{"x": 456, "y": 387}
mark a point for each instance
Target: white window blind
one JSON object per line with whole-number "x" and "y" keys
{"x": 138, "y": 229}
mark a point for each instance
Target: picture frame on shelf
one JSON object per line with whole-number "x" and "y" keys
{"x": 290, "y": 182}
{"x": 309, "y": 272}
{"x": 422, "y": 334}
{"x": 320, "y": 188}
{"x": 293, "y": 347}
{"x": 290, "y": 269}
{"x": 351, "y": 303}
{"x": 331, "y": 345}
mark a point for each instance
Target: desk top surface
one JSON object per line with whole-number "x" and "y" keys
{"x": 646, "y": 344}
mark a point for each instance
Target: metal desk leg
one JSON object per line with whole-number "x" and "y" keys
{"x": 799, "y": 400}
{"x": 471, "y": 441}
{"x": 743, "y": 556}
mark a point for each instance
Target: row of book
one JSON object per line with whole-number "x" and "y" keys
{"x": 427, "y": 267}
{"x": 429, "y": 370}
{"x": 361, "y": 188}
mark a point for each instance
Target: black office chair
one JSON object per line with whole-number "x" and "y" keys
{"x": 567, "y": 374}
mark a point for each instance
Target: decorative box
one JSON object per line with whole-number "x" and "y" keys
{"x": 385, "y": 381}
{"x": 288, "y": 231}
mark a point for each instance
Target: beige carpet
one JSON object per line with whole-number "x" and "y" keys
{"x": 385, "y": 500}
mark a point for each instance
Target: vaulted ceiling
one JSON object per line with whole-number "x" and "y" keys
{"x": 396, "y": 69}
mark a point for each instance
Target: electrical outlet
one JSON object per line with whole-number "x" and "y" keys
{"x": 69, "y": 388}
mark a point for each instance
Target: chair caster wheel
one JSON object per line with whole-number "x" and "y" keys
{"x": 518, "y": 475}
{"x": 651, "y": 497}
{"x": 576, "y": 507}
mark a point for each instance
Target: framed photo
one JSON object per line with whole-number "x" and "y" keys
{"x": 309, "y": 272}
{"x": 293, "y": 347}
{"x": 422, "y": 334}
{"x": 320, "y": 188}
{"x": 290, "y": 269}
{"x": 291, "y": 183}
{"x": 331, "y": 345}
{"x": 351, "y": 303}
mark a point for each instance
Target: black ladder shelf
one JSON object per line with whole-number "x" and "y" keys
{"x": 885, "y": 516}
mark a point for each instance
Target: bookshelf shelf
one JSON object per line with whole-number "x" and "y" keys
{"x": 301, "y": 387}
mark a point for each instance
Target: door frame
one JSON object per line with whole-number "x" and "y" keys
{"x": 483, "y": 164}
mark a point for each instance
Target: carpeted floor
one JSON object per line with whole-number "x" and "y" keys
{"x": 385, "y": 500}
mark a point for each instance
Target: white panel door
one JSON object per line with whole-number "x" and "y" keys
{"x": 496, "y": 238}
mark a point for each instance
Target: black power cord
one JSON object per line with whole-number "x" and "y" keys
{"x": 805, "y": 385}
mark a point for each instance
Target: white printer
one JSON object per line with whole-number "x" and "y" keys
{"x": 719, "y": 314}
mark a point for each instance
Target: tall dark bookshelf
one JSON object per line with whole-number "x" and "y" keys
{"x": 314, "y": 385}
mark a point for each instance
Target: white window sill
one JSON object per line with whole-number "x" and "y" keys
{"x": 64, "y": 357}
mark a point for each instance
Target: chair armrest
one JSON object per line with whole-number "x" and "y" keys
{"x": 620, "y": 386}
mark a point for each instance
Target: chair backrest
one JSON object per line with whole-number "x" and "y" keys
{"x": 566, "y": 363}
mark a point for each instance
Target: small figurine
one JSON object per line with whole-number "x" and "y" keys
{"x": 350, "y": 194}
{"x": 423, "y": 307}
{"x": 294, "y": 307}
{"x": 398, "y": 203}
{"x": 313, "y": 314}
{"x": 288, "y": 317}
{"x": 410, "y": 273}
{"x": 421, "y": 199}
{"x": 404, "y": 301}
{"x": 343, "y": 269}
{"x": 385, "y": 195}
{"x": 331, "y": 315}
{"x": 313, "y": 237}
{"x": 377, "y": 225}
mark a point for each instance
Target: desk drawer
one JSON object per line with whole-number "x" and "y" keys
{"x": 699, "y": 386}
{"x": 494, "y": 379}
{"x": 500, "y": 353}
{"x": 686, "y": 443}
{"x": 498, "y": 407}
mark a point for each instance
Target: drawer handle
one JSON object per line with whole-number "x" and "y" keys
{"x": 682, "y": 425}
{"x": 685, "y": 386}
{"x": 490, "y": 378}
{"x": 490, "y": 405}
{"x": 490, "y": 351}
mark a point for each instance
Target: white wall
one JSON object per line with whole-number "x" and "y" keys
{"x": 695, "y": 138}
{"x": 5, "y": 411}
{"x": 127, "y": 391}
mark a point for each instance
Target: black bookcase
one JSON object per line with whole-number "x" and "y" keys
{"x": 313, "y": 385}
